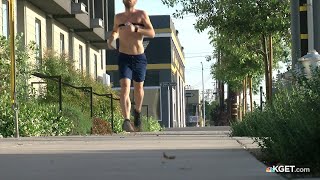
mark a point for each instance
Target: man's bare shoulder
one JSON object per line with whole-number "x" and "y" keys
{"x": 141, "y": 12}
{"x": 119, "y": 15}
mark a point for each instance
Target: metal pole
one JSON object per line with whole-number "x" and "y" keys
{"x": 310, "y": 26}
{"x": 91, "y": 102}
{"x": 13, "y": 68}
{"x": 112, "y": 114}
{"x": 261, "y": 101}
{"x": 203, "y": 101}
{"x": 250, "y": 90}
{"x": 147, "y": 113}
{"x": 169, "y": 112}
{"x": 187, "y": 109}
{"x": 60, "y": 94}
{"x": 161, "y": 104}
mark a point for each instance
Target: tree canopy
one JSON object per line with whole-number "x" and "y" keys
{"x": 236, "y": 29}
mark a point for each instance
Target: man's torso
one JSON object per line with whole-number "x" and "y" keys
{"x": 130, "y": 42}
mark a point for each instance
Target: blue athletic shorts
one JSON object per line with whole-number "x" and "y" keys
{"x": 132, "y": 66}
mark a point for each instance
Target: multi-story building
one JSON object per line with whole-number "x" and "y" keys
{"x": 75, "y": 27}
{"x": 166, "y": 65}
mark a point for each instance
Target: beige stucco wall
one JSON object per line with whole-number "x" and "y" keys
{"x": 57, "y": 29}
{"x": 100, "y": 70}
{"x": 31, "y": 14}
{"x": 77, "y": 42}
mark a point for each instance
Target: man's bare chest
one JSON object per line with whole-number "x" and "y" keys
{"x": 131, "y": 19}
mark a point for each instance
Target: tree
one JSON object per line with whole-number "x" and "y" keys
{"x": 242, "y": 31}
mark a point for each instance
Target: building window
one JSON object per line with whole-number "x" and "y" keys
{"x": 5, "y": 19}
{"x": 80, "y": 58}
{"x": 95, "y": 67}
{"x": 38, "y": 41}
{"x": 62, "y": 46}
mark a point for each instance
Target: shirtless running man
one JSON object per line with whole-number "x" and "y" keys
{"x": 130, "y": 27}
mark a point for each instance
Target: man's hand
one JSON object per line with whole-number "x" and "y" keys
{"x": 110, "y": 45}
{"x": 130, "y": 27}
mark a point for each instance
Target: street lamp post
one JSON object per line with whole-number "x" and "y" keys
{"x": 13, "y": 68}
{"x": 203, "y": 101}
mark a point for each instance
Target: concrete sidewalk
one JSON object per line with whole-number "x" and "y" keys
{"x": 140, "y": 156}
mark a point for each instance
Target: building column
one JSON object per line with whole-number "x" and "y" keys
{"x": 303, "y": 27}
{"x": 299, "y": 28}
{"x": 316, "y": 23}
{"x": 295, "y": 31}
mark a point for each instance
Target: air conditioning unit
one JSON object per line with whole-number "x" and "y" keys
{"x": 106, "y": 79}
{"x": 79, "y": 8}
{"x": 97, "y": 23}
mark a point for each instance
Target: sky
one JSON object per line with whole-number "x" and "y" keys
{"x": 196, "y": 45}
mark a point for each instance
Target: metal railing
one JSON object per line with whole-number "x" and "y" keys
{"x": 58, "y": 79}
{"x": 84, "y": 89}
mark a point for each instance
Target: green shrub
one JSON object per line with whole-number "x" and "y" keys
{"x": 42, "y": 120}
{"x": 150, "y": 125}
{"x": 6, "y": 115}
{"x": 117, "y": 121}
{"x": 81, "y": 120}
{"x": 288, "y": 130}
{"x": 35, "y": 119}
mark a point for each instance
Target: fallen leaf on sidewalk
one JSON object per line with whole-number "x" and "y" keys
{"x": 168, "y": 157}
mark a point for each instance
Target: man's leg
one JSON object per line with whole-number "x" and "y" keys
{"x": 124, "y": 98}
{"x": 138, "y": 99}
{"x": 138, "y": 76}
{"x": 125, "y": 104}
{"x": 138, "y": 95}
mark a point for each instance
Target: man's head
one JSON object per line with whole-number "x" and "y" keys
{"x": 129, "y": 3}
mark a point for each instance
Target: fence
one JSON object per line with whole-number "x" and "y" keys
{"x": 58, "y": 79}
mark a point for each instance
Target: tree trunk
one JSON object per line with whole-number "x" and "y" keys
{"x": 250, "y": 91}
{"x": 220, "y": 87}
{"x": 232, "y": 104}
{"x": 244, "y": 104}
{"x": 222, "y": 106}
{"x": 266, "y": 65}
{"x": 270, "y": 67}
{"x": 240, "y": 109}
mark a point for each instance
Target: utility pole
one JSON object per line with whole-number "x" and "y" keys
{"x": 13, "y": 68}
{"x": 203, "y": 100}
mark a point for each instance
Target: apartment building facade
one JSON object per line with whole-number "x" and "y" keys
{"x": 78, "y": 28}
{"x": 166, "y": 65}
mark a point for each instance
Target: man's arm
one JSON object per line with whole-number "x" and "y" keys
{"x": 148, "y": 28}
{"x": 114, "y": 34}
